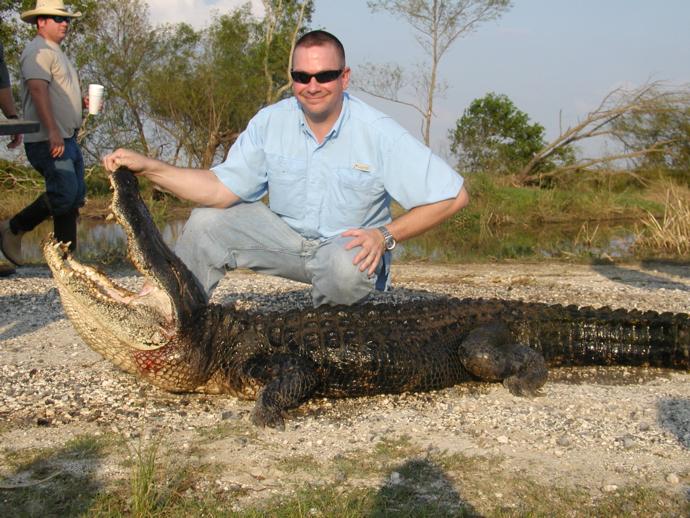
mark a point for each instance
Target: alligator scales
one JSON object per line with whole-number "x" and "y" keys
{"x": 181, "y": 343}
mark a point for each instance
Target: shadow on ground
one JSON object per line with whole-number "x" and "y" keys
{"x": 57, "y": 483}
{"x": 680, "y": 270}
{"x": 674, "y": 416}
{"x": 420, "y": 488}
{"x": 649, "y": 280}
{"x": 22, "y": 313}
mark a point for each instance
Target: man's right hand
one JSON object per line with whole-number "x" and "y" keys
{"x": 133, "y": 161}
{"x": 200, "y": 186}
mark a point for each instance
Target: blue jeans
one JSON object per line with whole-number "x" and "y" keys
{"x": 250, "y": 235}
{"x": 64, "y": 176}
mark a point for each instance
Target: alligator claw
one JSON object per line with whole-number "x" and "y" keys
{"x": 268, "y": 417}
{"x": 521, "y": 387}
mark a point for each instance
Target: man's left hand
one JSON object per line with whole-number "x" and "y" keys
{"x": 371, "y": 242}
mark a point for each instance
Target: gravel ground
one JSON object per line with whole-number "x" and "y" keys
{"x": 597, "y": 429}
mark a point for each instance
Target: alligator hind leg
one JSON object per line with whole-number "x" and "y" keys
{"x": 292, "y": 385}
{"x": 489, "y": 353}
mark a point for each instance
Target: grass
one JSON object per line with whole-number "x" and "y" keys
{"x": 397, "y": 478}
{"x": 578, "y": 221}
{"x": 669, "y": 234}
{"x": 20, "y": 185}
{"x": 230, "y": 428}
{"x": 143, "y": 485}
{"x": 297, "y": 463}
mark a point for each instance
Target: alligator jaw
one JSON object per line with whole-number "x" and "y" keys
{"x": 150, "y": 255}
{"x": 101, "y": 314}
{"x": 111, "y": 319}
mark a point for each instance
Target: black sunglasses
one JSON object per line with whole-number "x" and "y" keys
{"x": 60, "y": 19}
{"x": 325, "y": 76}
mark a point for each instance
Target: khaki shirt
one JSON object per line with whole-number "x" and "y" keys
{"x": 45, "y": 60}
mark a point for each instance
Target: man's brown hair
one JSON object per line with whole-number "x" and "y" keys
{"x": 318, "y": 38}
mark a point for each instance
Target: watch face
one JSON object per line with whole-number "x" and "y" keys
{"x": 388, "y": 240}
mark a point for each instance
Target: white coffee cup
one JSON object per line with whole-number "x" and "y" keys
{"x": 95, "y": 98}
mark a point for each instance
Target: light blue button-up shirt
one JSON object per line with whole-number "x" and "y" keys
{"x": 347, "y": 181}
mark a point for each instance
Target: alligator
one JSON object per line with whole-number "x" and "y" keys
{"x": 181, "y": 343}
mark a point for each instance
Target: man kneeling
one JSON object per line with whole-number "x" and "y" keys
{"x": 331, "y": 165}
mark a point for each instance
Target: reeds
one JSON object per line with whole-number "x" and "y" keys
{"x": 671, "y": 234}
{"x": 144, "y": 493}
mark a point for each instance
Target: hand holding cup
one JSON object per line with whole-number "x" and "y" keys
{"x": 95, "y": 98}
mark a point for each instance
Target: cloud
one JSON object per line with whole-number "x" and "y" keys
{"x": 195, "y": 12}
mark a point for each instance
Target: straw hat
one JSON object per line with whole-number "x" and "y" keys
{"x": 48, "y": 8}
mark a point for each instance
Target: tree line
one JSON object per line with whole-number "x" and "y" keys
{"x": 172, "y": 92}
{"x": 184, "y": 95}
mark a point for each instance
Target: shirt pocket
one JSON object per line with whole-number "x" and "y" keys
{"x": 286, "y": 185}
{"x": 353, "y": 195}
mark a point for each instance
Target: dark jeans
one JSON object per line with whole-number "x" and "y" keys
{"x": 65, "y": 191}
{"x": 64, "y": 176}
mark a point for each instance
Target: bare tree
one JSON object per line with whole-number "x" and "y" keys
{"x": 282, "y": 16}
{"x": 602, "y": 123}
{"x": 437, "y": 25}
{"x": 119, "y": 51}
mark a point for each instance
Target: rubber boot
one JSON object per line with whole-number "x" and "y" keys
{"x": 65, "y": 228}
{"x": 27, "y": 219}
{"x": 31, "y": 216}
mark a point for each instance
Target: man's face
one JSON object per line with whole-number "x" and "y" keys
{"x": 320, "y": 101}
{"x": 52, "y": 30}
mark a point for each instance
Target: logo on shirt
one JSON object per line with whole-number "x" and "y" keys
{"x": 362, "y": 167}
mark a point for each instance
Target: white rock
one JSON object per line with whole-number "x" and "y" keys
{"x": 672, "y": 478}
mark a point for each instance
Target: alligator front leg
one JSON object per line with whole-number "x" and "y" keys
{"x": 293, "y": 384}
{"x": 489, "y": 353}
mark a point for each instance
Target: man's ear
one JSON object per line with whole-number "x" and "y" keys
{"x": 345, "y": 78}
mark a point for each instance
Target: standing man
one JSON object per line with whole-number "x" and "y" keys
{"x": 9, "y": 111}
{"x": 331, "y": 165}
{"x": 6, "y": 100}
{"x": 51, "y": 95}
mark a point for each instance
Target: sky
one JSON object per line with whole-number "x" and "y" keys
{"x": 555, "y": 59}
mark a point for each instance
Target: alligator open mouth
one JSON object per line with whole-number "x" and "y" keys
{"x": 115, "y": 321}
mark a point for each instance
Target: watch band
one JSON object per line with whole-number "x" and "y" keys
{"x": 389, "y": 241}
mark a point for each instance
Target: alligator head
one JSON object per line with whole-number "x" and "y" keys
{"x": 147, "y": 335}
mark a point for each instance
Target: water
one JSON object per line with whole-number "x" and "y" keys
{"x": 98, "y": 240}
{"x": 102, "y": 241}
{"x": 545, "y": 241}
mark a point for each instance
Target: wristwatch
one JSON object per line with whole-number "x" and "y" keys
{"x": 388, "y": 239}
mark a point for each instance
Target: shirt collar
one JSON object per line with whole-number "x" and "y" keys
{"x": 48, "y": 42}
{"x": 335, "y": 130}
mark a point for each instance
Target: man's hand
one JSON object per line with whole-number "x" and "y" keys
{"x": 56, "y": 143}
{"x": 371, "y": 242}
{"x": 133, "y": 161}
{"x": 15, "y": 141}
